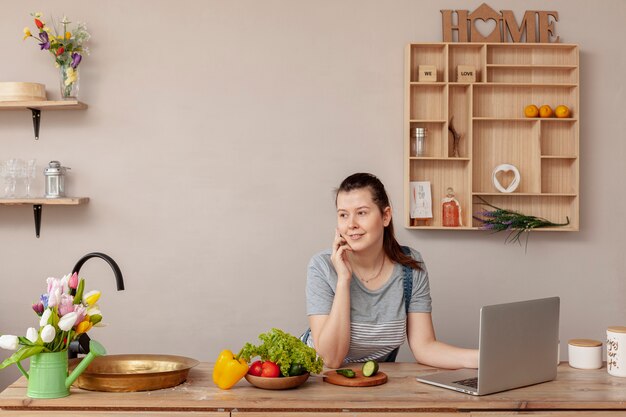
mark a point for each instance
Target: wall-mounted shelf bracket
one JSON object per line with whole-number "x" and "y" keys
{"x": 39, "y": 202}
{"x": 37, "y": 212}
{"x": 36, "y": 106}
{"x": 36, "y": 122}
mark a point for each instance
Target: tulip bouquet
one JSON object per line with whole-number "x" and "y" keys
{"x": 65, "y": 312}
{"x": 66, "y": 46}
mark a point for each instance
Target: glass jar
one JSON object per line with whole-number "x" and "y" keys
{"x": 418, "y": 141}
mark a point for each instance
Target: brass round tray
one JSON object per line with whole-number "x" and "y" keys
{"x": 134, "y": 372}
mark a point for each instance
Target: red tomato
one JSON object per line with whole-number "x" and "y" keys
{"x": 270, "y": 370}
{"x": 255, "y": 368}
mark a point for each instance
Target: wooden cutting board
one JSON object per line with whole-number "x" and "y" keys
{"x": 332, "y": 377}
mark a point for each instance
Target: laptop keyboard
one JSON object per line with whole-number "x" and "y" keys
{"x": 470, "y": 382}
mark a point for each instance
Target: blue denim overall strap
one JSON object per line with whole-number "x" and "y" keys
{"x": 407, "y": 281}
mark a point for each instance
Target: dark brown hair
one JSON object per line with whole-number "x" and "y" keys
{"x": 392, "y": 248}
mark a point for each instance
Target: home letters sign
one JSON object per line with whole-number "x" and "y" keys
{"x": 536, "y": 25}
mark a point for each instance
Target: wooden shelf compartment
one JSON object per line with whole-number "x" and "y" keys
{"x": 530, "y": 74}
{"x": 466, "y": 54}
{"x": 427, "y": 54}
{"x": 443, "y": 174}
{"x": 496, "y": 143}
{"x": 553, "y": 208}
{"x": 559, "y": 139}
{"x": 532, "y": 54}
{"x": 559, "y": 175}
{"x": 509, "y": 101}
{"x": 459, "y": 101}
{"x": 434, "y": 143}
{"x": 427, "y": 102}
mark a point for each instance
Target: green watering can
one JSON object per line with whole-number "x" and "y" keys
{"x": 48, "y": 376}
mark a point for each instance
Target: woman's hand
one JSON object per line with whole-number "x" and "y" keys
{"x": 339, "y": 257}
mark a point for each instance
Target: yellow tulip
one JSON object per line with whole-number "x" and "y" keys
{"x": 91, "y": 297}
{"x": 84, "y": 327}
{"x": 68, "y": 35}
{"x": 27, "y": 33}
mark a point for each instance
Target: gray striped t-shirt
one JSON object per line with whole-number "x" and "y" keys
{"x": 378, "y": 318}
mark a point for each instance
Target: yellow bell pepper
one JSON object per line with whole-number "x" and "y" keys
{"x": 228, "y": 369}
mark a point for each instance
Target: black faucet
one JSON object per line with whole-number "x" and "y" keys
{"x": 82, "y": 344}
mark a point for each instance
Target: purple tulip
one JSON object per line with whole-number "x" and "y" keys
{"x": 38, "y": 308}
{"x": 45, "y": 42}
{"x": 76, "y": 58}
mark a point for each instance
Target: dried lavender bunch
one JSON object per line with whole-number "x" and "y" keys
{"x": 500, "y": 219}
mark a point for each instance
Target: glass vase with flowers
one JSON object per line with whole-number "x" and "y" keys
{"x": 66, "y": 46}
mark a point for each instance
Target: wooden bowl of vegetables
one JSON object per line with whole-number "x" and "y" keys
{"x": 285, "y": 361}
{"x": 285, "y": 382}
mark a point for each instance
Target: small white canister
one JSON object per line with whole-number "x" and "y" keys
{"x": 585, "y": 353}
{"x": 616, "y": 350}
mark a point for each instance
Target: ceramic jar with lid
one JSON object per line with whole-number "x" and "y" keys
{"x": 585, "y": 353}
{"x": 616, "y": 350}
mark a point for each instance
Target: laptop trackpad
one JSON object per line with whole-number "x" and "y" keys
{"x": 447, "y": 379}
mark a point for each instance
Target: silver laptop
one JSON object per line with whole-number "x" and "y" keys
{"x": 518, "y": 346}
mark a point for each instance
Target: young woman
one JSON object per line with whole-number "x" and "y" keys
{"x": 355, "y": 291}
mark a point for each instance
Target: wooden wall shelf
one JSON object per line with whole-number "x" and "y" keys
{"x": 489, "y": 114}
{"x": 38, "y": 204}
{"x": 37, "y": 106}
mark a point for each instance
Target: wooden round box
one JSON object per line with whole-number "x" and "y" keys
{"x": 19, "y": 91}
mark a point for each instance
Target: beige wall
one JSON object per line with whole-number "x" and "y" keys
{"x": 215, "y": 133}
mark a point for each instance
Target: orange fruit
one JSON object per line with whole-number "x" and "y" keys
{"x": 531, "y": 111}
{"x": 545, "y": 111}
{"x": 562, "y": 111}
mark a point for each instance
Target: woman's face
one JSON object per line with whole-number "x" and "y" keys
{"x": 359, "y": 219}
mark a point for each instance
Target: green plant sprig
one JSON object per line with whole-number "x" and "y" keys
{"x": 517, "y": 224}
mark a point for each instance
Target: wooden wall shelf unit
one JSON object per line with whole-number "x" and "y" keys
{"x": 37, "y": 106}
{"x": 38, "y": 204}
{"x": 489, "y": 114}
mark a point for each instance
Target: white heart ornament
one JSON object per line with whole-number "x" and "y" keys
{"x": 506, "y": 168}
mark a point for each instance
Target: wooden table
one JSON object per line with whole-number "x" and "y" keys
{"x": 574, "y": 392}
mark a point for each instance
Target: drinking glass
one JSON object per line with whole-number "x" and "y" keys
{"x": 10, "y": 174}
{"x": 28, "y": 174}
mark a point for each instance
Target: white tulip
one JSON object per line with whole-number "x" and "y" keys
{"x": 8, "y": 341}
{"x": 32, "y": 334}
{"x": 93, "y": 311}
{"x": 45, "y": 317}
{"x": 68, "y": 321}
{"x": 48, "y": 333}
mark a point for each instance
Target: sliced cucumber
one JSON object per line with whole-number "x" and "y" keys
{"x": 348, "y": 373}
{"x": 370, "y": 368}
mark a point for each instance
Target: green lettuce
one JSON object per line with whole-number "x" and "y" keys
{"x": 284, "y": 350}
